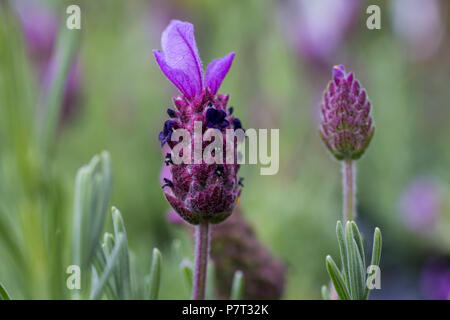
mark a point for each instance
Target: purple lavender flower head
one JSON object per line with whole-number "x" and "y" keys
{"x": 197, "y": 192}
{"x": 420, "y": 205}
{"x": 346, "y": 127}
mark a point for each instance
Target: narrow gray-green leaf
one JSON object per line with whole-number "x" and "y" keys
{"x": 187, "y": 273}
{"x": 337, "y": 279}
{"x": 361, "y": 276}
{"x": 123, "y": 275}
{"x": 3, "y": 293}
{"x": 118, "y": 223}
{"x": 376, "y": 250}
{"x": 155, "y": 274}
{"x": 342, "y": 247}
{"x": 112, "y": 261}
{"x": 352, "y": 257}
{"x": 237, "y": 288}
{"x": 325, "y": 293}
{"x": 359, "y": 242}
{"x": 376, "y": 254}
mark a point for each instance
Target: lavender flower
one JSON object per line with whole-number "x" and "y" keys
{"x": 420, "y": 205}
{"x": 200, "y": 193}
{"x": 197, "y": 192}
{"x": 346, "y": 126}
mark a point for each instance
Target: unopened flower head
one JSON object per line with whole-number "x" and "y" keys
{"x": 346, "y": 127}
{"x": 198, "y": 191}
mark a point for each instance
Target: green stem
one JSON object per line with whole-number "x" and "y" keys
{"x": 349, "y": 189}
{"x": 202, "y": 237}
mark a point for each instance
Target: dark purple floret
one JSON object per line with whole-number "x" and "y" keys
{"x": 166, "y": 134}
{"x": 237, "y": 124}
{"x": 172, "y": 113}
{"x": 219, "y": 170}
{"x": 168, "y": 159}
{"x": 215, "y": 118}
{"x": 167, "y": 183}
{"x": 230, "y": 110}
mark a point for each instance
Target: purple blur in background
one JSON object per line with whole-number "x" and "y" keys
{"x": 316, "y": 28}
{"x": 435, "y": 280}
{"x": 420, "y": 205}
{"x": 419, "y": 25}
{"x": 40, "y": 27}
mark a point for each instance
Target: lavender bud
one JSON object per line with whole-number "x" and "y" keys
{"x": 346, "y": 127}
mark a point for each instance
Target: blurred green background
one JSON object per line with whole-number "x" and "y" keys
{"x": 276, "y": 81}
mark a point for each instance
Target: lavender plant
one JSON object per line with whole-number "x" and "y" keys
{"x": 109, "y": 260}
{"x": 200, "y": 193}
{"x": 347, "y": 129}
{"x": 36, "y": 192}
{"x": 92, "y": 192}
{"x": 112, "y": 271}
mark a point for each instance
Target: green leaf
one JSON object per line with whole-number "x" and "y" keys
{"x": 237, "y": 288}
{"x": 353, "y": 267}
{"x": 325, "y": 293}
{"x": 361, "y": 275}
{"x": 337, "y": 279}
{"x": 155, "y": 274}
{"x": 187, "y": 273}
{"x": 111, "y": 262}
{"x": 92, "y": 193}
{"x": 376, "y": 250}
{"x": 122, "y": 274}
{"x": 376, "y": 254}
{"x": 342, "y": 248}
{"x": 3, "y": 293}
{"x": 359, "y": 243}
{"x": 361, "y": 261}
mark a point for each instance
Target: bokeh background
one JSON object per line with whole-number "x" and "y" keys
{"x": 116, "y": 98}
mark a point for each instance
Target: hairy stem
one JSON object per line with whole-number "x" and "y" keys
{"x": 349, "y": 189}
{"x": 202, "y": 237}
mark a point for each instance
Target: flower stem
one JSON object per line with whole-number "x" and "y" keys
{"x": 349, "y": 189}
{"x": 202, "y": 237}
